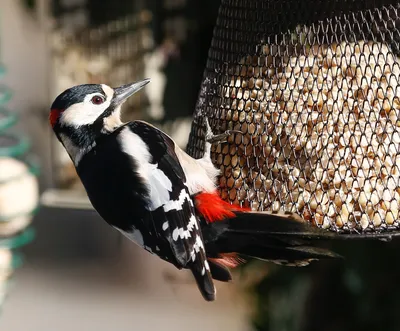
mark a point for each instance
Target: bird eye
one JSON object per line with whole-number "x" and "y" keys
{"x": 97, "y": 100}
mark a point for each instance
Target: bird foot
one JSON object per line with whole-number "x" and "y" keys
{"x": 221, "y": 138}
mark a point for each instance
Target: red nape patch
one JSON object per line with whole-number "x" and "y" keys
{"x": 213, "y": 208}
{"x": 230, "y": 260}
{"x": 54, "y": 115}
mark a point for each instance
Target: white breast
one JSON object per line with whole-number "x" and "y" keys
{"x": 200, "y": 174}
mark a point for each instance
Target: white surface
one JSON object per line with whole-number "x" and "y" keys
{"x": 19, "y": 191}
{"x": 66, "y": 199}
{"x": 94, "y": 297}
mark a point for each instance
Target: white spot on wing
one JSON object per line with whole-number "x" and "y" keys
{"x": 179, "y": 233}
{"x": 178, "y": 204}
{"x": 198, "y": 245}
{"x": 207, "y": 266}
{"x": 165, "y": 225}
{"x": 184, "y": 234}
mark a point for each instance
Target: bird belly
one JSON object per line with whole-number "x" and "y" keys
{"x": 200, "y": 173}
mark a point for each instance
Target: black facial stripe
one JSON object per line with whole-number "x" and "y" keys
{"x": 99, "y": 122}
{"x": 82, "y": 136}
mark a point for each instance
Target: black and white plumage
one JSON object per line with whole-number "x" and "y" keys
{"x": 145, "y": 186}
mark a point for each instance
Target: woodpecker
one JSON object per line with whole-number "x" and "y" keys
{"x": 145, "y": 186}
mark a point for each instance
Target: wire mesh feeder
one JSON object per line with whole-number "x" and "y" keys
{"x": 314, "y": 87}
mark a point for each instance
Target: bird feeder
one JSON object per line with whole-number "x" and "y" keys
{"x": 314, "y": 88}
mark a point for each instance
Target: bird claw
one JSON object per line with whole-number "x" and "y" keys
{"x": 209, "y": 133}
{"x": 221, "y": 138}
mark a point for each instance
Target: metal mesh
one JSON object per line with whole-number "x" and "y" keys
{"x": 314, "y": 87}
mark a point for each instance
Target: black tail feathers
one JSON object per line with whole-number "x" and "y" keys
{"x": 204, "y": 280}
{"x": 219, "y": 271}
{"x": 283, "y": 238}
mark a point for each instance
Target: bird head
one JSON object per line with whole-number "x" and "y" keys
{"x": 84, "y": 105}
{"x": 83, "y": 112}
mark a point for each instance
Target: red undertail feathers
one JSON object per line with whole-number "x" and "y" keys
{"x": 230, "y": 260}
{"x": 213, "y": 208}
{"x": 233, "y": 234}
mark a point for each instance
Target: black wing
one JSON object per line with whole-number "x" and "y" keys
{"x": 176, "y": 220}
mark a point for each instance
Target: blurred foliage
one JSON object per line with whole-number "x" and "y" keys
{"x": 360, "y": 292}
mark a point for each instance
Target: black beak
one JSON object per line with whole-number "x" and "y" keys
{"x": 125, "y": 91}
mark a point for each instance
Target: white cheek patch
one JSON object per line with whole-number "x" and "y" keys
{"x": 85, "y": 112}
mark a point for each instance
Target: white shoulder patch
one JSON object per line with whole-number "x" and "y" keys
{"x": 159, "y": 184}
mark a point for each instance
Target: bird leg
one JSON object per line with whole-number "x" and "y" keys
{"x": 210, "y": 138}
{"x": 221, "y": 138}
